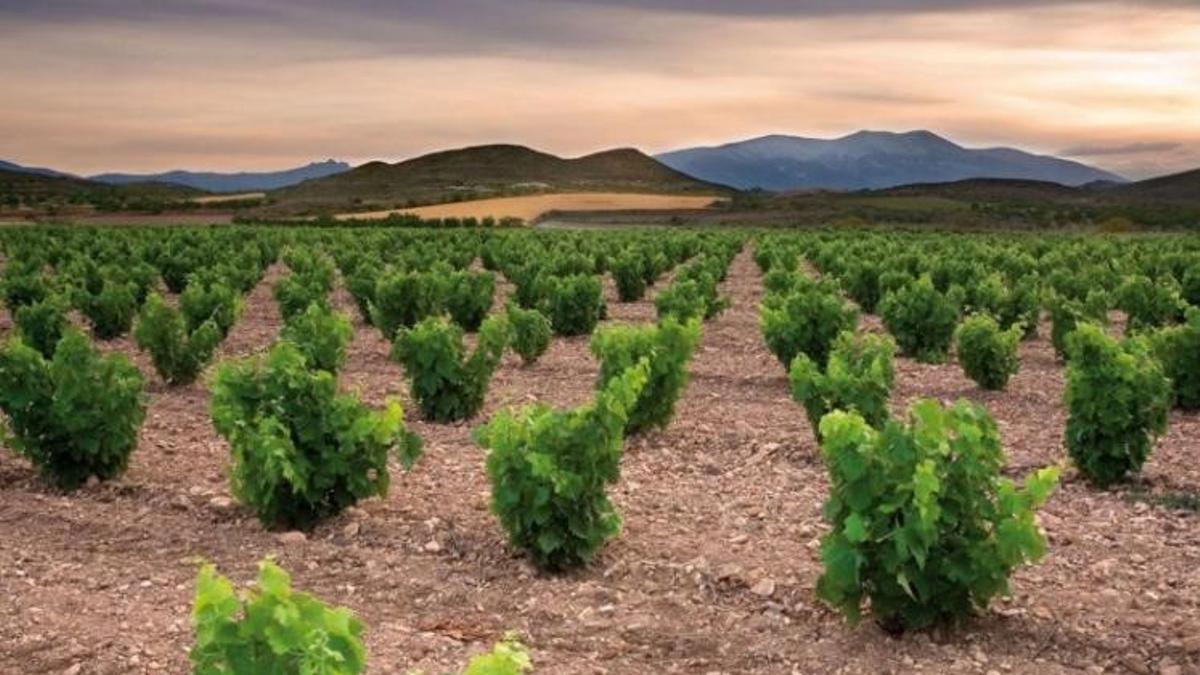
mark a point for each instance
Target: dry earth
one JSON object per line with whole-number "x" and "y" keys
{"x": 528, "y": 208}
{"x": 714, "y": 572}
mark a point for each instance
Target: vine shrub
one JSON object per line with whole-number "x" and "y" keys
{"x": 508, "y": 657}
{"x": 302, "y": 452}
{"x": 75, "y": 415}
{"x": 1149, "y": 304}
{"x": 468, "y": 297}
{"x": 550, "y": 470}
{"x": 628, "y": 270}
{"x": 179, "y": 355}
{"x": 923, "y": 523}
{"x": 1117, "y": 401}
{"x": 402, "y": 299}
{"x": 531, "y": 332}
{"x": 668, "y": 347}
{"x": 1067, "y": 314}
{"x": 987, "y": 354}
{"x": 445, "y": 383}
{"x": 201, "y": 302}
{"x": 271, "y": 628}
{"x": 805, "y": 322}
{"x": 682, "y": 299}
{"x": 858, "y": 377}
{"x": 574, "y": 304}
{"x": 321, "y": 335}
{"x": 41, "y": 323}
{"x": 1178, "y": 349}
{"x": 922, "y": 319}
{"x": 111, "y": 311}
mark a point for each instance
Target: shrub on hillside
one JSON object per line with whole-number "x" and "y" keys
{"x": 1067, "y": 314}
{"x": 1117, "y": 401}
{"x": 922, "y": 319}
{"x": 805, "y": 322}
{"x": 301, "y": 451}
{"x": 201, "y": 302}
{"x": 987, "y": 354}
{"x": 667, "y": 346}
{"x": 923, "y": 524}
{"x": 295, "y": 292}
{"x": 858, "y": 377}
{"x": 271, "y": 628}
{"x": 75, "y": 415}
{"x": 531, "y": 332}
{"x": 682, "y": 300}
{"x": 178, "y": 354}
{"x": 550, "y": 471}
{"x": 447, "y": 385}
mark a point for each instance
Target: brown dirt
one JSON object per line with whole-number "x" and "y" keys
{"x": 724, "y": 503}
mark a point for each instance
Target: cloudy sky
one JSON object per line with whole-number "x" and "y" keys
{"x": 141, "y": 85}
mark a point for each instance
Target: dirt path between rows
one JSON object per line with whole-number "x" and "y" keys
{"x": 714, "y": 572}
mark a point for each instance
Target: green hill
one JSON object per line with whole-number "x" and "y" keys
{"x": 19, "y": 189}
{"x": 481, "y": 172}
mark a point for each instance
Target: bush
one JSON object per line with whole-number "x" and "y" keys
{"x": 111, "y": 311}
{"x": 447, "y": 386}
{"x": 1149, "y": 304}
{"x": 574, "y": 304}
{"x": 923, "y": 524}
{"x": 508, "y": 657}
{"x": 628, "y": 270}
{"x": 987, "y": 354}
{"x": 1066, "y": 315}
{"x": 550, "y": 470}
{"x": 805, "y": 322}
{"x": 530, "y": 332}
{"x": 858, "y": 377}
{"x": 681, "y": 300}
{"x": 178, "y": 355}
{"x": 74, "y": 416}
{"x": 271, "y": 629}
{"x": 302, "y": 452}
{"x": 41, "y": 323}
{"x": 402, "y": 299}
{"x": 321, "y": 335}
{"x": 1117, "y": 402}
{"x": 468, "y": 298}
{"x": 1178, "y": 349}
{"x": 296, "y": 292}
{"x": 922, "y": 320}
{"x": 668, "y": 347}
{"x": 216, "y": 302}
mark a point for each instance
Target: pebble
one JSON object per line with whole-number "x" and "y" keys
{"x": 764, "y": 588}
{"x": 293, "y": 537}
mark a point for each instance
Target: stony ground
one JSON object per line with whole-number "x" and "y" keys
{"x": 714, "y": 572}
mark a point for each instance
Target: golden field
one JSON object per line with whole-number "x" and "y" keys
{"x": 530, "y": 207}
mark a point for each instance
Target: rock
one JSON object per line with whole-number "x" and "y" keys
{"x": 1170, "y": 669}
{"x": 728, "y": 571}
{"x": 92, "y": 481}
{"x": 74, "y": 670}
{"x": 764, "y": 588}
{"x": 1191, "y": 644}
{"x": 1135, "y": 665}
{"x": 222, "y": 504}
{"x": 352, "y": 529}
{"x": 432, "y": 546}
{"x": 292, "y": 538}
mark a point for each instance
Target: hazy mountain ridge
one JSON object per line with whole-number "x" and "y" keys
{"x": 247, "y": 181}
{"x": 869, "y": 160}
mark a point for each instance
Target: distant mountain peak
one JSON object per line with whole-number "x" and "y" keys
{"x": 869, "y": 159}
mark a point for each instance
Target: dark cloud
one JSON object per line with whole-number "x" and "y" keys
{"x": 1126, "y": 149}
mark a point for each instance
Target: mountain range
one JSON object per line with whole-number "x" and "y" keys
{"x": 869, "y": 160}
{"x": 231, "y": 182}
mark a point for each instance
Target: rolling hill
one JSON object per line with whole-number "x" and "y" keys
{"x": 1179, "y": 188}
{"x": 869, "y": 160}
{"x": 231, "y": 182}
{"x": 486, "y": 171}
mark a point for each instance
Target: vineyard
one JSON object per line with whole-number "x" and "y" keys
{"x": 496, "y": 450}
